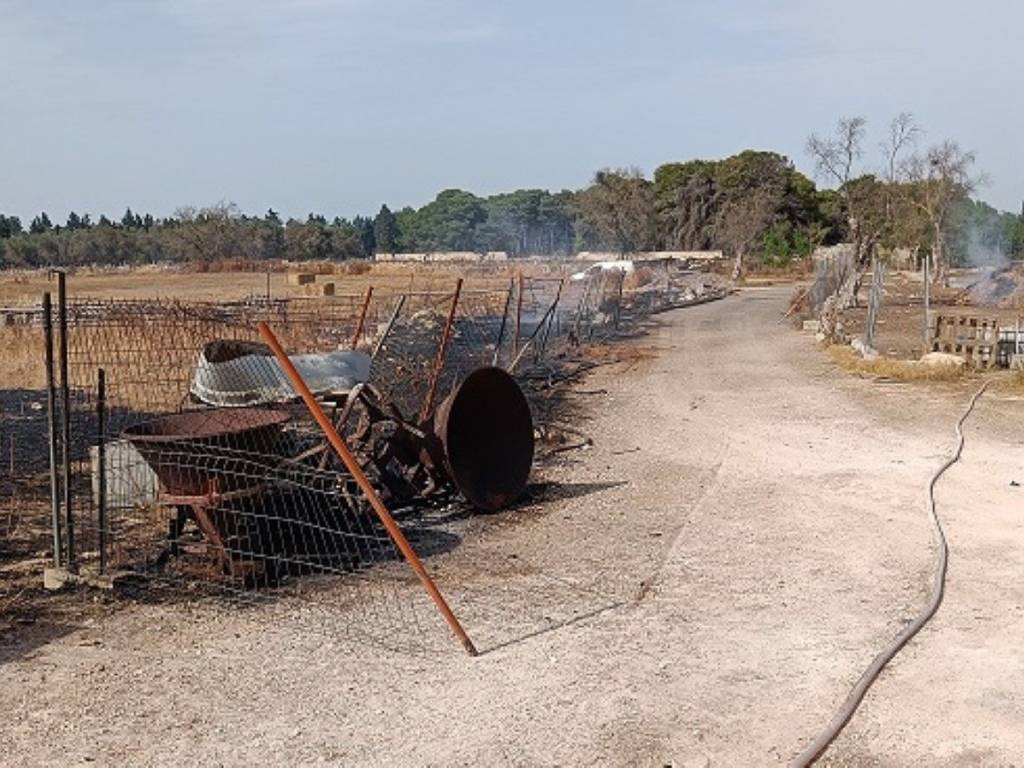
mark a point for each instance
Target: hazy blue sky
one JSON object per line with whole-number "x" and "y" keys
{"x": 335, "y": 106}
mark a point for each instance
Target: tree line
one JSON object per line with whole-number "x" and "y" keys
{"x": 755, "y": 206}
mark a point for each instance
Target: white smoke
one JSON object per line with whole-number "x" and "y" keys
{"x": 986, "y": 251}
{"x": 986, "y": 248}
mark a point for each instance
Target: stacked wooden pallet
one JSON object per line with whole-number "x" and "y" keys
{"x": 973, "y": 337}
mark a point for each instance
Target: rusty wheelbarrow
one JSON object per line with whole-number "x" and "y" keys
{"x": 210, "y": 466}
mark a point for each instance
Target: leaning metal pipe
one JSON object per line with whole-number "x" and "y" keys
{"x": 817, "y": 748}
{"x": 397, "y": 536}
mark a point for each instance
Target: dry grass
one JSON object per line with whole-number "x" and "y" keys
{"x": 25, "y": 287}
{"x": 23, "y": 366}
{"x": 1013, "y": 382}
{"x": 896, "y": 370}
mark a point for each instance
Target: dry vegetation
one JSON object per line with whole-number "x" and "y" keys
{"x": 24, "y": 287}
{"x": 897, "y": 370}
{"x": 23, "y": 366}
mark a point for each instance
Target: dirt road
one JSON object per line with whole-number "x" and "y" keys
{"x": 700, "y": 588}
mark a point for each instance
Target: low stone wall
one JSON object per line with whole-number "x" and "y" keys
{"x": 442, "y": 256}
{"x": 650, "y": 256}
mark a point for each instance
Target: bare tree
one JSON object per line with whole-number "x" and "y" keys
{"x": 869, "y": 203}
{"x": 940, "y": 178}
{"x": 903, "y": 135}
{"x": 835, "y": 159}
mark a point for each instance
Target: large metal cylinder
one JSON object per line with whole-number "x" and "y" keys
{"x": 486, "y": 430}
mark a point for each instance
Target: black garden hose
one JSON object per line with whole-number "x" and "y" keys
{"x": 817, "y": 748}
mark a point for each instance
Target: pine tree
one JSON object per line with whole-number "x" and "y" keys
{"x": 9, "y": 226}
{"x": 367, "y": 235}
{"x": 40, "y": 224}
{"x": 385, "y": 231}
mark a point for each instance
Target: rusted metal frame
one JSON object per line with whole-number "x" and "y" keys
{"x": 366, "y": 487}
{"x": 504, "y": 322}
{"x": 339, "y": 422}
{"x": 201, "y": 507}
{"x": 65, "y": 403}
{"x": 51, "y": 419}
{"x": 533, "y": 337}
{"x": 551, "y": 320}
{"x": 387, "y": 330}
{"x": 519, "y": 316}
{"x": 442, "y": 356}
{"x": 101, "y": 466}
{"x": 362, "y": 316}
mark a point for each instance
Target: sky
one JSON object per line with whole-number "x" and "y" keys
{"x": 337, "y": 106}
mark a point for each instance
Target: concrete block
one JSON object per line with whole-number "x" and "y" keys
{"x": 56, "y": 578}
{"x": 130, "y": 481}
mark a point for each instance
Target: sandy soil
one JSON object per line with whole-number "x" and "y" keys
{"x": 699, "y": 588}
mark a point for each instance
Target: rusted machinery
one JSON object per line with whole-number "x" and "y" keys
{"x": 247, "y": 479}
{"x": 479, "y": 440}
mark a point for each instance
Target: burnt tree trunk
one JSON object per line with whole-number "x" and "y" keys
{"x": 940, "y": 270}
{"x": 737, "y": 266}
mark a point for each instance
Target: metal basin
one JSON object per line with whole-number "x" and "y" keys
{"x": 216, "y": 450}
{"x": 486, "y": 430}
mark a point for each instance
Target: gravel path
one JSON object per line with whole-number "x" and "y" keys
{"x": 699, "y": 588}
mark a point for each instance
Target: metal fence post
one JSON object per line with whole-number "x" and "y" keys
{"x": 101, "y": 465}
{"x": 442, "y": 354}
{"x": 387, "y": 329}
{"x": 926, "y": 329}
{"x": 65, "y": 398}
{"x": 51, "y": 418}
{"x": 362, "y": 317}
{"x": 504, "y": 322}
{"x": 874, "y": 302}
{"x": 519, "y": 316}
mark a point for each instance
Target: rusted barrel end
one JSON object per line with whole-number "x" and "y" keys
{"x": 487, "y": 433}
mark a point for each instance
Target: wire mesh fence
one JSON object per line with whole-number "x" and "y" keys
{"x": 182, "y": 453}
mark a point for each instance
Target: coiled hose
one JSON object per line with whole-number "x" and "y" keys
{"x": 817, "y": 748}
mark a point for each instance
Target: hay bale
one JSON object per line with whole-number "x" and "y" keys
{"x": 942, "y": 359}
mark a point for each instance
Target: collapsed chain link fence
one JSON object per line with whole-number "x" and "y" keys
{"x": 232, "y": 488}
